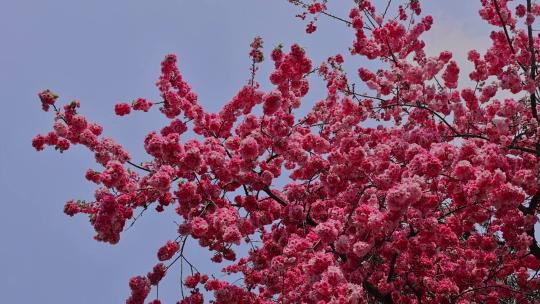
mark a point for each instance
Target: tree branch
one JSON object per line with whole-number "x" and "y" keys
{"x": 392, "y": 268}
{"x": 531, "y": 210}
{"x": 533, "y": 62}
{"x": 273, "y": 196}
{"x": 372, "y": 290}
{"x": 138, "y": 167}
{"x": 508, "y": 39}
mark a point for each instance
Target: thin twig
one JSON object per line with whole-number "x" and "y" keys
{"x": 138, "y": 167}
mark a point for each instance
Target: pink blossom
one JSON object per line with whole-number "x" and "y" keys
{"x": 167, "y": 251}
{"x": 48, "y": 99}
{"x": 521, "y": 10}
{"x": 272, "y": 102}
{"x": 400, "y": 189}
{"x": 158, "y": 272}
{"x": 451, "y": 75}
{"x": 141, "y": 104}
{"x": 249, "y": 149}
{"x": 530, "y": 19}
{"x": 122, "y": 109}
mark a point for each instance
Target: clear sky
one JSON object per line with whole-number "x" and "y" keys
{"x": 103, "y": 52}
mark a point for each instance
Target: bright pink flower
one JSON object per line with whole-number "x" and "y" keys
{"x": 141, "y": 104}
{"x": 249, "y": 149}
{"x": 62, "y": 144}
{"x": 521, "y": 10}
{"x": 158, "y": 272}
{"x": 311, "y": 27}
{"x": 47, "y": 98}
{"x": 140, "y": 288}
{"x": 272, "y": 102}
{"x": 71, "y": 208}
{"x": 451, "y": 75}
{"x": 39, "y": 142}
{"x": 122, "y": 109}
{"x": 328, "y": 231}
{"x": 256, "y": 53}
{"x": 199, "y": 226}
{"x": 401, "y": 189}
{"x": 316, "y": 8}
{"x": 167, "y": 251}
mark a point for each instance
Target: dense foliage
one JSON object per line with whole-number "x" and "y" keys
{"x": 436, "y": 206}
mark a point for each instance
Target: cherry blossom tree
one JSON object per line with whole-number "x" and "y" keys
{"x": 419, "y": 188}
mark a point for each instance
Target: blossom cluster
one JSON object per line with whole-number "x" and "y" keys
{"x": 436, "y": 204}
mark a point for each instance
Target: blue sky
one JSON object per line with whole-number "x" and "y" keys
{"x": 103, "y": 52}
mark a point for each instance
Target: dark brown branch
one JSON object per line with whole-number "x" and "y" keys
{"x": 416, "y": 292}
{"x": 442, "y": 217}
{"x": 524, "y": 149}
{"x": 533, "y": 247}
{"x": 412, "y": 233}
{"x": 301, "y": 3}
{"x": 246, "y": 192}
{"x": 423, "y": 107}
{"x": 136, "y": 218}
{"x": 531, "y": 210}
{"x": 456, "y": 133}
{"x": 392, "y": 268}
{"x": 272, "y": 157}
{"x": 138, "y": 167}
{"x": 533, "y": 62}
{"x": 310, "y": 221}
{"x": 454, "y": 299}
{"x": 386, "y": 9}
{"x": 442, "y": 119}
{"x": 508, "y": 39}
{"x": 337, "y": 18}
{"x": 352, "y": 92}
{"x": 340, "y": 255}
{"x": 393, "y": 57}
{"x": 372, "y": 290}
{"x": 533, "y": 204}
{"x": 357, "y": 200}
{"x": 273, "y": 196}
